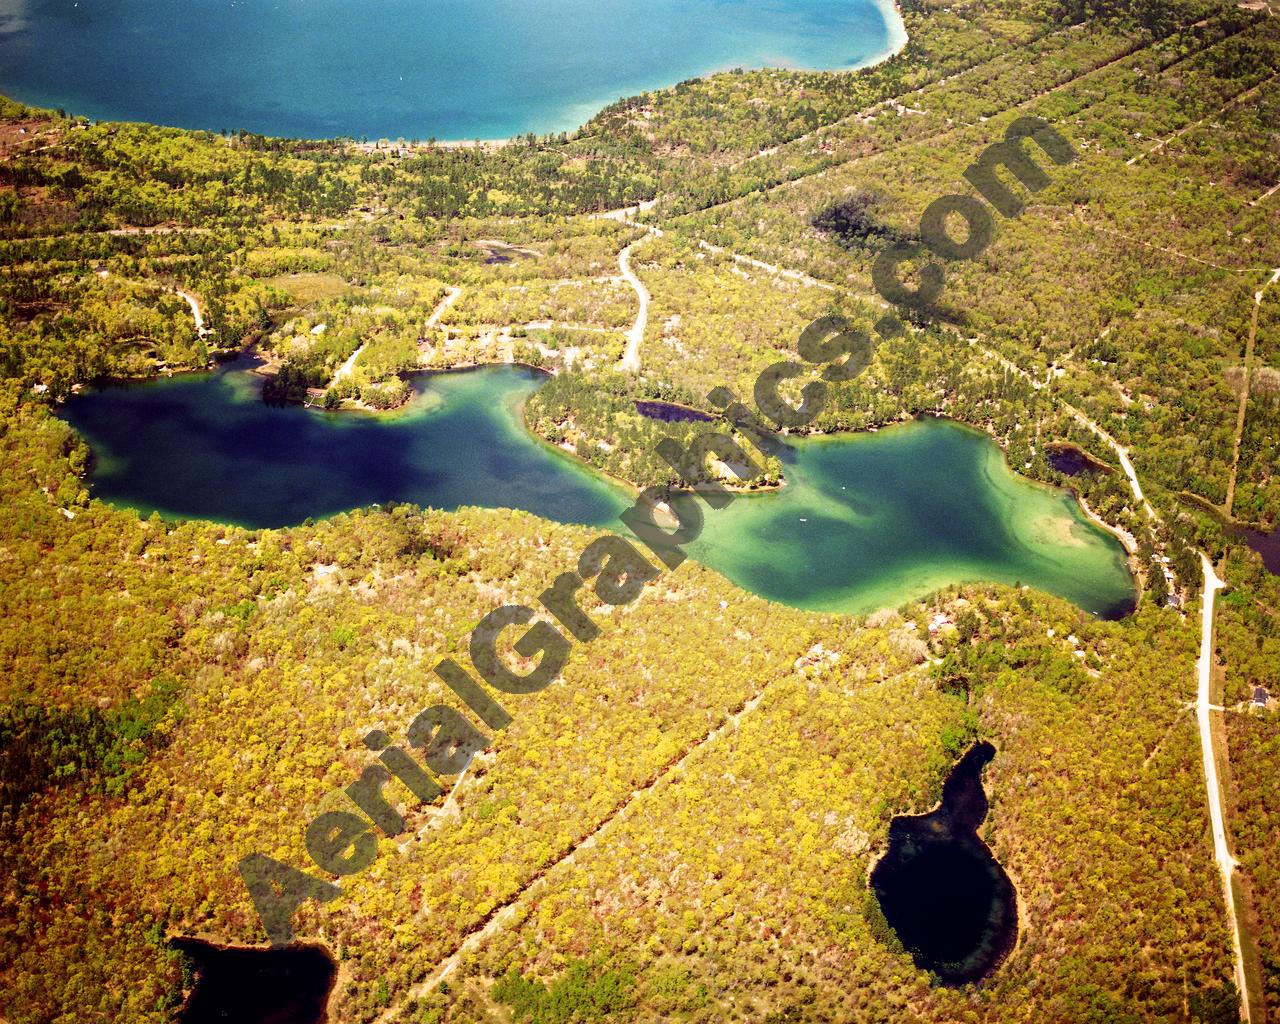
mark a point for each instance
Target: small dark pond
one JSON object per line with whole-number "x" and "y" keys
{"x": 946, "y": 897}
{"x": 1266, "y": 544}
{"x": 1073, "y": 461}
{"x": 289, "y": 985}
{"x": 667, "y": 412}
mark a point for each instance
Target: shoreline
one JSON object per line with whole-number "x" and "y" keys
{"x": 958, "y": 834}
{"x": 626, "y": 489}
{"x": 890, "y": 13}
{"x": 1127, "y": 542}
{"x": 188, "y": 946}
{"x": 899, "y": 37}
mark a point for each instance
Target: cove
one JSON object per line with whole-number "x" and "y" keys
{"x": 866, "y": 521}
{"x": 945, "y": 896}
{"x": 403, "y": 68}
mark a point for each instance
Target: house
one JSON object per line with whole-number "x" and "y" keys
{"x": 1260, "y": 697}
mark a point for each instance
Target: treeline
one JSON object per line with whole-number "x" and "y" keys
{"x": 73, "y": 321}
{"x": 735, "y": 888}
{"x": 110, "y": 175}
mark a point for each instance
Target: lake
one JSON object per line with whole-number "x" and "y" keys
{"x": 866, "y": 521}
{"x": 405, "y": 68}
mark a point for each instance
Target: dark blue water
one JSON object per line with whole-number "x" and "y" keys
{"x": 943, "y": 893}
{"x": 668, "y": 412}
{"x": 206, "y": 446}
{"x": 1265, "y": 542}
{"x": 411, "y": 68}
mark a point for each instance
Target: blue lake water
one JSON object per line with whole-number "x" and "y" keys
{"x": 405, "y": 68}
{"x": 866, "y": 521}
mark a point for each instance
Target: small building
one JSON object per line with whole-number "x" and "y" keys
{"x": 1260, "y": 697}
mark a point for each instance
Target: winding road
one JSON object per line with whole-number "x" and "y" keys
{"x": 1212, "y": 584}
{"x": 1204, "y": 668}
{"x": 347, "y": 366}
{"x": 194, "y": 303}
{"x": 635, "y": 333}
{"x": 630, "y": 361}
{"x": 196, "y": 314}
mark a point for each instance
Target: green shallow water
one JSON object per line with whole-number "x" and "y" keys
{"x": 866, "y": 520}
{"x": 870, "y": 520}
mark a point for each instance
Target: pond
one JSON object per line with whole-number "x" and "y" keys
{"x": 1266, "y": 543}
{"x": 865, "y": 521}
{"x": 943, "y": 893}
{"x": 1073, "y": 461}
{"x": 670, "y": 412}
{"x": 287, "y": 985}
